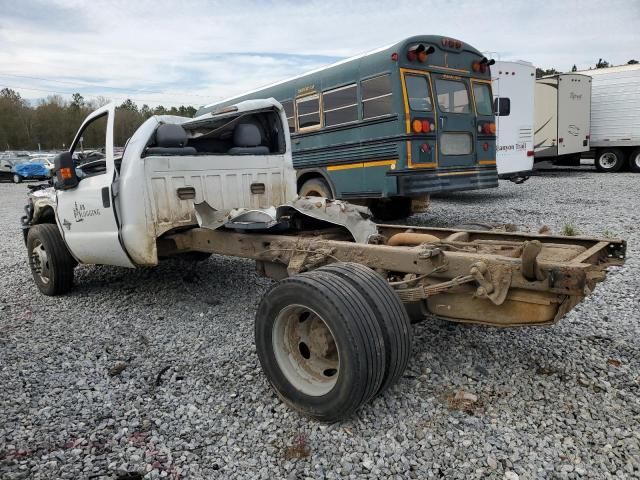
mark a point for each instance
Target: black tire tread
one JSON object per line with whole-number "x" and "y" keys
{"x": 362, "y": 330}
{"x": 392, "y": 316}
{"x": 63, "y": 263}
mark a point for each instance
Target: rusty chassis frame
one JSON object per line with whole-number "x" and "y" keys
{"x": 487, "y": 277}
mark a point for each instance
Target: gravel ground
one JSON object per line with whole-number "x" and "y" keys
{"x": 154, "y": 372}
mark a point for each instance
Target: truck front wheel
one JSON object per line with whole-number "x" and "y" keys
{"x": 17, "y": 178}
{"x": 320, "y": 345}
{"x": 50, "y": 262}
{"x": 634, "y": 161}
{"x": 609, "y": 160}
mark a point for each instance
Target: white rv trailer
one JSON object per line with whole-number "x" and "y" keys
{"x": 513, "y": 92}
{"x": 615, "y": 117}
{"x": 562, "y": 117}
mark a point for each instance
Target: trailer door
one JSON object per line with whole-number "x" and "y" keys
{"x": 456, "y": 122}
{"x": 574, "y": 114}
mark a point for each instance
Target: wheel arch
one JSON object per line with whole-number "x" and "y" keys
{"x": 311, "y": 173}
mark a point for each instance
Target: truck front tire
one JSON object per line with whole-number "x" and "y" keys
{"x": 609, "y": 160}
{"x": 50, "y": 262}
{"x": 17, "y": 178}
{"x": 320, "y": 345}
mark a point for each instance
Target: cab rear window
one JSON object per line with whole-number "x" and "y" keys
{"x": 453, "y": 96}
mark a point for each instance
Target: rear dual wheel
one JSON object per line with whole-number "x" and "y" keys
{"x": 609, "y": 160}
{"x": 330, "y": 340}
{"x": 634, "y": 161}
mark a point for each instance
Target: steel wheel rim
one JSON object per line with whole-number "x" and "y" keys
{"x": 40, "y": 262}
{"x": 305, "y": 350}
{"x": 16, "y": 179}
{"x": 608, "y": 160}
{"x": 636, "y": 160}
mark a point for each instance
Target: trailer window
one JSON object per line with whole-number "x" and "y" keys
{"x": 376, "y": 96}
{"x": 453, "y": 96}
{"x": 502, "y": 106}
{"x": 288, "y": 110}
{"x": 418, "y": 93}
{"x": 308, "y": 111}
{"x": 340, "y": 105}
{"x": 482, "y": 95}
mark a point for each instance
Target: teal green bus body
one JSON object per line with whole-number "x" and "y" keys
{"x": 383, "y": 156}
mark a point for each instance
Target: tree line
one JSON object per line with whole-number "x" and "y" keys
{"x": 600, "y": 64}
{"x": 52, "y": 123}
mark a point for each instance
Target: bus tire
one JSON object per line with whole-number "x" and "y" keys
{"x": 634, "y": 161}
{"x": 391, "y": 208}
{"x": 50, "y": 262}
{"x": 609, "y": 160}
{"x": 320, "y": 345}
{"x": 315, "y": 187}
{"x": 390, "y": 312}
{"x": 17, "y": 178}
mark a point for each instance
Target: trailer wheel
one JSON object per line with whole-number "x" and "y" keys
{"x": 315, "y": 187}
{"x": 320, "y": 345}
{"x": 390, "y": 312}
{"x": 634, "y": 161}
{"x": 17, "y": 178}
{"x": 609, "y": 160}
{"x": 50, "y": 262}
{"x": 391, "y": 208}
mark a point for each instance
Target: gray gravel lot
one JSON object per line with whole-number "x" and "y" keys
{"x": 154, "y": 372}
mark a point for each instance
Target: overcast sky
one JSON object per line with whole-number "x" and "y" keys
{"x": 196, "y": 52}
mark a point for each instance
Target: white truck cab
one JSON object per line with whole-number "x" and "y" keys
{"x": 112, "y": 211}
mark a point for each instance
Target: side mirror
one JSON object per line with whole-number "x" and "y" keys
{"x": 65, "y": 172}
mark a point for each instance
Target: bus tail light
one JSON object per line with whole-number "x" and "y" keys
{"x": 529, "y": 153}
{"x": 560, "y": 140}
{"x": 488, "y": 128}
{"x": 423, "y": 125}
{"x": 425, "y": 147}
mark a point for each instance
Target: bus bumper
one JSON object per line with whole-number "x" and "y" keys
{"x": 414, "y": 182}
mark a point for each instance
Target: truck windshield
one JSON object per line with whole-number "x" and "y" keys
{"x": 453, "y": 96}
{"x": 482, "y": 94}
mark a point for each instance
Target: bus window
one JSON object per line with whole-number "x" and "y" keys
{"x": 453, "y": 96}
{"x": 482, "y": 94}
{"x": 502, "y": 106}
{"x": 308, "y": 112}
{"x": 340, "y": 105}
{"x": 288, "y": 110}
{"x": 418, "y": 93}
{"x": 376, "y": 96}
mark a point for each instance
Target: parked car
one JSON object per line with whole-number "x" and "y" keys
{"x": 34, "y": 168}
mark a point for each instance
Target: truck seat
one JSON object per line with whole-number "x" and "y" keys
{"x": 171, "y": 139}
{"x": 247, "y": 140}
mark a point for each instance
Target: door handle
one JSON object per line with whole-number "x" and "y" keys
{"x": 106, "y": 201}
{"x": 186, "y": 193}
{"x": 257, "y": 188}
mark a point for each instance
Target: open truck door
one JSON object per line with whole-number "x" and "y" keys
{"x": 86, "y": 213}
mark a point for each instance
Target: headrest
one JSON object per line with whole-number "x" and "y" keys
{"x": 246, "y": 135}
{"x": 170, "y": 135}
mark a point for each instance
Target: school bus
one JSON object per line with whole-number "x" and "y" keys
{"x": 390, "y": 127}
